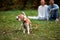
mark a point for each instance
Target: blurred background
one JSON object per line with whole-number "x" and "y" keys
{"x": 10, "y": 27}
{"x": 21, "y": 4}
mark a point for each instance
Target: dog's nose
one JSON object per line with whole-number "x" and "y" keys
{"x": 16, "y": 17}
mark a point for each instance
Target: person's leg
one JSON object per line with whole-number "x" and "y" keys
{"x": 36, "y": 17}
{"x": 56, "y": 14}
{"x": 41, "y": 18}
{"x": 53, "y": 15}
{"x": 51, "y": 18}
{"x": 33, "y": 17}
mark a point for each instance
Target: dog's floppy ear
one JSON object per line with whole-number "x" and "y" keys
{"x": 24, "y": 17}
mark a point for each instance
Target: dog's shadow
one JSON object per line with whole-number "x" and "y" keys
{"x": 16, "y": 31}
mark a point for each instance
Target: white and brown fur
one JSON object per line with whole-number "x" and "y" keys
{"x": 26, "y": 23}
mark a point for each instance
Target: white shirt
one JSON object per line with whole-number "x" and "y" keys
{"x": 43, "y": 11}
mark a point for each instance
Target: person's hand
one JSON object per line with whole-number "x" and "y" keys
{"x": 50, "y": 11}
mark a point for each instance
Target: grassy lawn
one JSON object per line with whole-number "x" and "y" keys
{"x": 9, "y": 27}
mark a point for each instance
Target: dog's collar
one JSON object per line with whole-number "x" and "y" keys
{"x": 24, "y": 22}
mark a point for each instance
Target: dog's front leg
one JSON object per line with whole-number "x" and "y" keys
{"x": 22, "y": 27}
{"x": 24, "y": 30}
{"x": 28, "y": 29}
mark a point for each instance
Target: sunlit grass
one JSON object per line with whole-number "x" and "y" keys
{"x": 9, "y": 27}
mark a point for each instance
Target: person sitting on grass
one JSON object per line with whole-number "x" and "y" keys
{"x": 42, "y": 12}
{"x": 53, "y": 10}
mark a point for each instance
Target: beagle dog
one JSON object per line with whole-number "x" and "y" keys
{"x": 26, "y": 23}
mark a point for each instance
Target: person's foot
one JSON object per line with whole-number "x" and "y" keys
{"x": 57, "y": 20}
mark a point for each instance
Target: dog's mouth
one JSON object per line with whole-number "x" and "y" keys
{"x": 16, "y": 19}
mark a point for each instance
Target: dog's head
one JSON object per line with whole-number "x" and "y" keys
{"x": 21, "y": 17}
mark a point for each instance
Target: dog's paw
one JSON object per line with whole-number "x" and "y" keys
{"x": 23, "y": 32}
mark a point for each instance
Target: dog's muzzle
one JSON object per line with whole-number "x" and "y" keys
{"x": 17, "y": 18}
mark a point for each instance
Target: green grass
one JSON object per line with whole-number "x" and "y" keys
{"x": 46, "y": 30}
